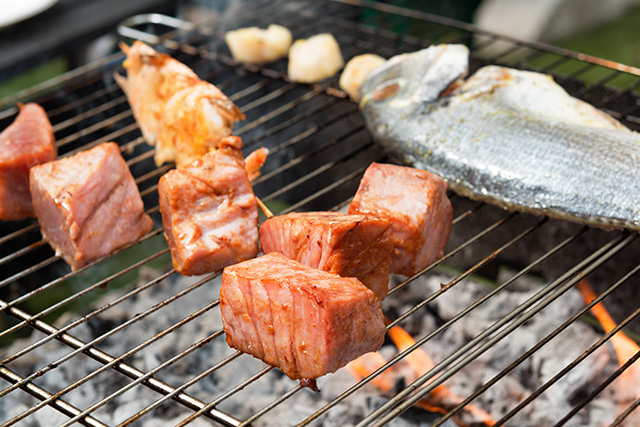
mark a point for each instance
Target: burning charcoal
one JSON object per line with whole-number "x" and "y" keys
{"x": 88, "y": 205}
{"x": 305, "y": 321}
{"x": 349, "y": 245}
{"x": 417, "y": 205}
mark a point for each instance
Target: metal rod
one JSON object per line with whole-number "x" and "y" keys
{"x": 543, "y": 298}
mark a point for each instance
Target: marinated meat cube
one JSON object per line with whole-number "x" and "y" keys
{"x": 27, "y": 142}
{"x": 349, "y": 245}
{"x": 416, "y": 203}
{"x": 209, "y": 212}
{"x": 305, "y": 321}
{"x": 88, "y": 205}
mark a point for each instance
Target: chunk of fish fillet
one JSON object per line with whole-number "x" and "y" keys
{"x": 209, "y": 211}
{"x": 349, "y": 245}
{"x": 416, "y": 203}
{"x": 88, "y": 205}
{"x": 305, "y": 321}
{"x": 27, "y": 142}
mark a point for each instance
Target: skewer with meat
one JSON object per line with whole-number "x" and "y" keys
{"x": 27, "y": 142}
{"x": 209, "y": 211}
{"x": 349, "y": 245}
{"x": 182, "y": 115}
{"x": 305, "y": 321}
{"x": 416, "y": 204}
{"x": 88, "y": 205}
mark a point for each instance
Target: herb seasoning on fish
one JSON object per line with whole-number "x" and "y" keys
{"x": 509, "y": 137}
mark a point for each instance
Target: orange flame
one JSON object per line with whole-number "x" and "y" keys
{"x": 625, "y": 348}
{"x": 440, "y": 400}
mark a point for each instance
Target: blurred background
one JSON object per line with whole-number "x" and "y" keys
{"x": 44, "y": 38}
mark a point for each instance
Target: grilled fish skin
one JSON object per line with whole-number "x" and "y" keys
{"x": 505, "y": 136}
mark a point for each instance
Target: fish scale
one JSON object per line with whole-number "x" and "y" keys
{"x": 508, "y": 137}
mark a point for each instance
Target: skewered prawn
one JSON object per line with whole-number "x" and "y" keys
{"x": 182, "y": 115}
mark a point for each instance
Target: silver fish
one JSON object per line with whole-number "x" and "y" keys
{"x": 509, "y": 137}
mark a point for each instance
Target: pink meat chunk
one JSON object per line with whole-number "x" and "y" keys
{"x": 27, "y": 142}
{"x": 416, "y": 203}
{"x": 209, "y": 211}
{"x": 349, "y": 245}
{"x": 88, "y": 205}
{"x": 305, "y": 321}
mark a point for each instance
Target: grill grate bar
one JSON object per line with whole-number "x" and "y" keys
{"x": 470, "y": 271}
{"x": 466, "y": 354}
{"x": 183, "y": 387}
{"x": 313, "y": 174}
{"x": 234, "y": 390}
{"x": 218, "y": 416}
{"x": 117, "y": 363}
{"x": 578, "y": 360}
{"x": 79, "y": 103}
{"x": 285, "y": 108}
{"x": 455, "y": 251}
{"x": 21, "y": 252}
{"x": 272, "y": 405}
{"x": 40, "y": 393}
{"x": 326, "y": 189}
{"x": 223, "y": 68}
{"x": 618, "y": 421}
{"x": 31, "y": 318}
{"x": 454, "y": 319}
{"x": 605, "y": 383}
{"x": 542, "y": 343}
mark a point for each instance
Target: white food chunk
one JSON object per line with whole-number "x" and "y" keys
{"x": 314, "y": 59}
{"x": 254, "y": 45}
{"x": 356, "y": 71}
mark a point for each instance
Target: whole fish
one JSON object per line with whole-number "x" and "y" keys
{"x": 509, "y": 137}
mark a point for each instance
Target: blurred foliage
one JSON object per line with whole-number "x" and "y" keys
{"x": 33, "y": 76}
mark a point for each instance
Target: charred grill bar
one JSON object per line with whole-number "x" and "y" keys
{"x": 319, "y": 149}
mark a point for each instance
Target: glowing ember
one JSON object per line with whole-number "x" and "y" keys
{"x": 440, "y": 400}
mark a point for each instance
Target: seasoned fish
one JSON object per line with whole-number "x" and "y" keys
{"x": 509, "y": 137}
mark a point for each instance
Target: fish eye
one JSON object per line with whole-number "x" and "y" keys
{"x": 386, "y": 90}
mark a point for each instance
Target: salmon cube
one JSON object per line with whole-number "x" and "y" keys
{"x": 305, "y": 321}
{"x": 209, "y": 211}
{"x": 349, "y": 245}
{"x": 416, "y": 203}
{"x": 27, "y": 142}
{"x": 88, "y": 205}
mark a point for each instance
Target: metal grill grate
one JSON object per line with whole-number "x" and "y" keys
{"x": 319, "y": 149}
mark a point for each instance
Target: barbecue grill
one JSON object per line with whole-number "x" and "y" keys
{"x": 66, "y": 333}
